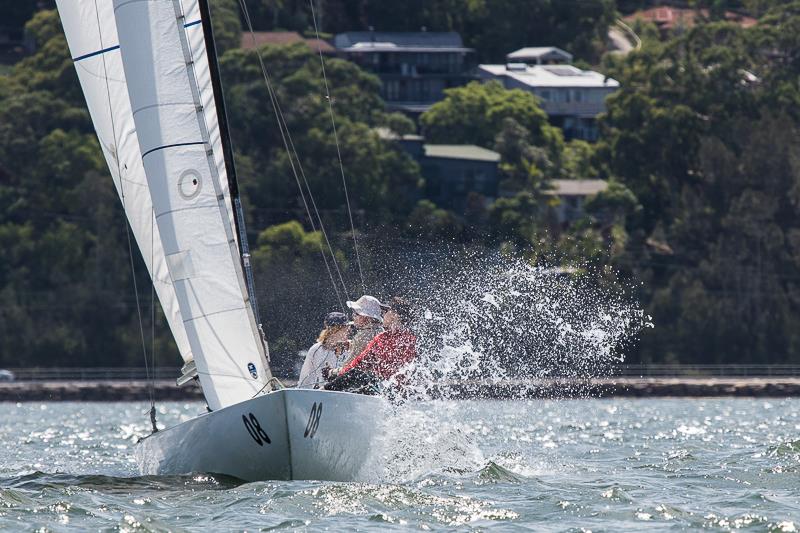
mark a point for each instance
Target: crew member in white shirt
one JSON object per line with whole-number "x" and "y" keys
{"x": 330, "y": 351}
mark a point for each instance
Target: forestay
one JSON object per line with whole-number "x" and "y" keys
{"x": 91, "y": 33}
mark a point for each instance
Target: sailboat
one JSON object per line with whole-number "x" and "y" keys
{"x": 148, "y": 70}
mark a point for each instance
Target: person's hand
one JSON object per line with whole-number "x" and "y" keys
{"x": 330, "y": 373}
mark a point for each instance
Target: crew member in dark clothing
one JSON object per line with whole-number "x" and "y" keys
{"x": 384, "y": 356}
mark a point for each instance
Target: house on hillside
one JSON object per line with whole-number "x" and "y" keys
{"x": 572, "y": 196}
{"x": 282, "y": 38}
{"x": 571, "y": 97}
{"x": 459, "y": 177}
{"x": 414, "y": 67}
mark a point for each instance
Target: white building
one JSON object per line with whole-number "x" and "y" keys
{"x": 571, "y": 97}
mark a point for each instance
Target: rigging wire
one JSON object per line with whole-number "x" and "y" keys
{"x": 338, "y": 149}
{"x": 127, "y": 224}
{"x": 294, "y": 162}
{"x": 152, "y": 322}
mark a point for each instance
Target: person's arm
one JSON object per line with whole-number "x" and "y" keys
{"x": 365, "y": 353}
{"x": 308, "y": 366}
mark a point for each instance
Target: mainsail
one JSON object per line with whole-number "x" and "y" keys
{"x": 170, "y": 100}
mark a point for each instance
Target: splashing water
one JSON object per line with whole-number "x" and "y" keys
{"x": 484, "y": 322}
{"x": 487, "y": 320}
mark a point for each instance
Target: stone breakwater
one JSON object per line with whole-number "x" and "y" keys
{"x": 165, "y": 390}
{"x": 94, "y": 391}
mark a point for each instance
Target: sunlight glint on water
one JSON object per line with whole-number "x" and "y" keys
{"x": 551, "y": 465}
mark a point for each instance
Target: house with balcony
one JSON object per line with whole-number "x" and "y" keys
{"x": 571, "y": 97}
{"x": 414, "y": 67}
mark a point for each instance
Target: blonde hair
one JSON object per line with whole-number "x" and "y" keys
{"x": 327, "y": 332}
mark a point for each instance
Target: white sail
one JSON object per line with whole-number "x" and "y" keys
{"x": 92, "y": 39}
{"x": 186, "y": 174}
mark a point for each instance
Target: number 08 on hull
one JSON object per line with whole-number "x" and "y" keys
{"x": 288, "y": 434}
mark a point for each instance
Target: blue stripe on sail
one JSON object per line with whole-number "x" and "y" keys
{"x": 97, "y": 53}
{"x": 112, "y": 48}
{"x": 150, "y": 151}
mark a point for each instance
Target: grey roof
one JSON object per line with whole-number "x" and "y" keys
{"x": 576, "y": 187}
{"x": 461, "y": 151}
{"x": 539, "y": 52}
{"x": 400, "y": 41}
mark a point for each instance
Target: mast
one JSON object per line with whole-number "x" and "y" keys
{"x": 227, "y": 149}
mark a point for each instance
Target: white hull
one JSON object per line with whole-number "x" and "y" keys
{"x": 288, "y": 434}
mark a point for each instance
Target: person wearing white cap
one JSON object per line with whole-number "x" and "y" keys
{"x": 368, "y": 320}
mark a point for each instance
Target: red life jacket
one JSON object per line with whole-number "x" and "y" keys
{"x": 387, "y": 353}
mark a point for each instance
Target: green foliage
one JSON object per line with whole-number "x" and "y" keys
{"x": 227, "y": 26}
{"x": 701, "y": 133}
{"x": 474, "y": 114}
{"x": 397, "y": 123}
{"x": 432, "y": 223}
{"x": 578, "y": 160}
{"x": 380, "y": 175}
{"x": 286, "y": 242}
{"x": 514, "y": 220}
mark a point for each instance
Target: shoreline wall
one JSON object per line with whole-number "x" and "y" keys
{"x": 165, "y": 390}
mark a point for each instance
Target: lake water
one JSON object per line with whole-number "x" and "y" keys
{"x": 573, "y": 465}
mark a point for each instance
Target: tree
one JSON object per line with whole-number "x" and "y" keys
{"x": 227, "y": 26}
{"x": 474, "y": 114}
{"x": 379, "y": 174}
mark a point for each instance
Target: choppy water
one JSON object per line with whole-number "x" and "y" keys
{"x": 600, "y": 465}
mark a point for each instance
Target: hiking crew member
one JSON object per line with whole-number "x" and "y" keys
{"x": 384, "y": 356}
{"x": 368, "y": 321}
{"x": 330, "y": 351}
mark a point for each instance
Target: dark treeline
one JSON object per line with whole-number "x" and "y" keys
{"x": 698, "y": 147}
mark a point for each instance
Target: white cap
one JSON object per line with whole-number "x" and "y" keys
{"x": 367, "y": 306}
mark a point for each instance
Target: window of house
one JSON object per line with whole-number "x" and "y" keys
{"x": 392, "y": 89}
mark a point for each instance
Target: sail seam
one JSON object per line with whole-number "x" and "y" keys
{"x": 190, "y": 208}
{"x": 166, "y": 104}
{"x": 206, "y": 315}
{"x": 177, "y": 145}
